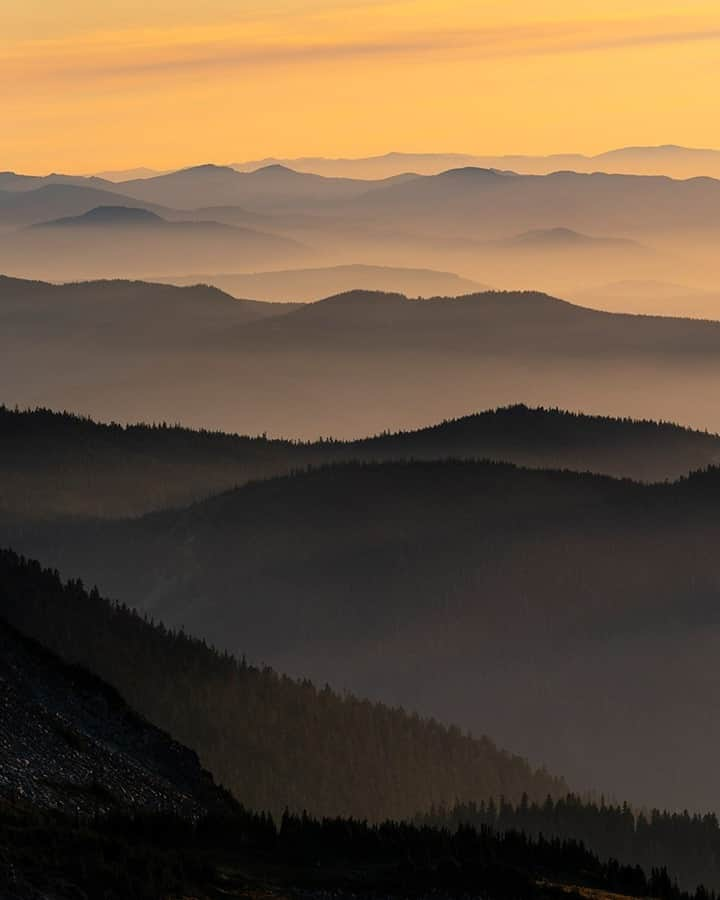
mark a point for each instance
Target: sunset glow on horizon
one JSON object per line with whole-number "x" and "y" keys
{"x": 87, "y": 86}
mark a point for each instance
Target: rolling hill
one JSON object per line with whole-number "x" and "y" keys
{"x": 113, "y": 241}
{"x": 495, "y": 597}
{"x": 121, "y": 216}
{"x": 561, "y": 238}
{"x": 111, "y": 312}
{"x": 272, "y": 187}
{"x": 111, "y": 471}
{"x": 359, "y": 363}
{"x": 54, "y": 201}
{"x": 15, "y": 181}
{"x": 315, "y": 284}
{"x": 623, "y": 205}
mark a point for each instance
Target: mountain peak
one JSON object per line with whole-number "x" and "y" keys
{"x": 553, "y": 235}
{"x": 206, "y": 169}
{"x": 108, "y": 215}
{"x": 277, "y": 169}
{"x": 471, "y": 172}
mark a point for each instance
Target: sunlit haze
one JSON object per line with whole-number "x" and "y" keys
{"x": 88, "y": 86}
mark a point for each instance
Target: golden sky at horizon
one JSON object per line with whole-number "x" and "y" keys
{"x": 86, "y": 86}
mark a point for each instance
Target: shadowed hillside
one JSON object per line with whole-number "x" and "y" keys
{"x": 496, "y": 597}
{"x": 275, "y": 742}
{"x": 172, "y": 673}
{"x": 68, "y": 742}
{"x": 106, "y": 316}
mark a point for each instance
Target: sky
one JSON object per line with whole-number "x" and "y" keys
{"x": 88, "y": 85}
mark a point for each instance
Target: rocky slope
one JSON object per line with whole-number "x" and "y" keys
{"x": 69, "y": 742}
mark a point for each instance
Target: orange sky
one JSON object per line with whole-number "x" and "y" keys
{"x": 88, "y": 85}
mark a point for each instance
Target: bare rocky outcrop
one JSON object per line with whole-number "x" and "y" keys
{"x": 69, "y": 742}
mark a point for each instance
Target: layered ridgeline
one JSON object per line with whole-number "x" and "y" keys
{"x": 635, "y": 227}
{"x": 58, "y": 464}
{"x": 275, "y": 742}
{"x": 540, "y": 607}
{"x": 355, "y": 364}
{"x": 314, "y": 284}
{"x": 115, "y": 240}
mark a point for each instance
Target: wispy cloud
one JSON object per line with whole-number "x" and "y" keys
{"x": 164, "y": 52}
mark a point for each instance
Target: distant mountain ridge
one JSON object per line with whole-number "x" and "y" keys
{"x": 313, "y": 284}
{"x": 624, "y": 204}
{"x": 355, "y": 364}
{"x": 107, "y": 215}
{"x": 51, "y": 201}
{"x": 549, "y": 237}
{"x": 267, "y": 188}
{"x": 115, "y": 240}
{"x": 433, "y": 221}
{"x": 672, "y": 160}
{"x": 142, "y": 308}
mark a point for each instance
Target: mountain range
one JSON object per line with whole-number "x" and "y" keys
{"x": 107, "y": 241}
{"x": 668, "y": 159}
{"x": 315, "y": 284}
{"x": 351, "y": 365}
{"x": 559, "y": 232}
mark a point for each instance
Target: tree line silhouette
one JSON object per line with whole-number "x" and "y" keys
{"x": 687, "y": 844}
{"x": 274, "y": 741}
{"x": 146, "y": 857}
{"x": 96, "y": 469}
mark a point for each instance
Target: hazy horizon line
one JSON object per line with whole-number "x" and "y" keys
{"x": 156, "y": 169}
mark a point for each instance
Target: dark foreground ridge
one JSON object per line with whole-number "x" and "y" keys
{"x": 69, "y": 742}
{"x": 275, "y": 742}
{"x": 270, "y": 735}
{"x": 247, "y": 856}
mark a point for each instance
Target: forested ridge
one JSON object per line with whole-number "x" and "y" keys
{"x": 687, "y": 844}
{"x": 247, "y": 854}
{"x": 480, "y": 593}
{"x": 56, "y": 464}
{"x": 275, "y": 742}
{"x": 277, "y": 736}
{"x": 69, "y": 742}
